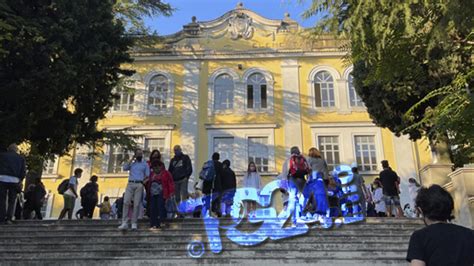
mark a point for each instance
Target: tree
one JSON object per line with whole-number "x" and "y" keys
{"x": 411, "y": 60}
{"x": 59, "y": 64}
{"x": 132, "y": 12}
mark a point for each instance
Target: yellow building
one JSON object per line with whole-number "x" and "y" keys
{"x": 250, "y": 88}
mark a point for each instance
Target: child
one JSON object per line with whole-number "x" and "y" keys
{"x": 105, "y": 209}
{"x": 252, "y": 180}
{"x": 334, "y": 191}
{"x": 378, "y": 199}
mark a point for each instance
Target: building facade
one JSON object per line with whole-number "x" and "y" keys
{"x": 250, "y": 88}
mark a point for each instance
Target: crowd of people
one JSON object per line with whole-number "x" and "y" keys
{"x": 160, "y": 193}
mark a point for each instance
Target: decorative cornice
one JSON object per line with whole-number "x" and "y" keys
{"x": 342, "y": 124}
{"x": 240, "y": 126}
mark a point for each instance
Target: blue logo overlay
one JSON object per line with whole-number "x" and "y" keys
{"x": 307, "y": 205}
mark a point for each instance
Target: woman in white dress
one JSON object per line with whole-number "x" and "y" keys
{"x": 378, "y": 199}
{"x": 252, "y": 180}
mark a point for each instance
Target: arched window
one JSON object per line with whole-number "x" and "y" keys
{"x": 158, "y": 93}
{"x": 256, "y": 92}
{"x": 223, "y": 93}
{"x": 355, "y": 100}
{"x": 324, "y": 89}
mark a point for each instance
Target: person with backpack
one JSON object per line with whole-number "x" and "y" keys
{"x": 69, "y": 192}
{"x": 34, "y": 196}
{"x": 90, "y": 197}
{"x": 181, "y": 168}
{"x": 160, "y": 188}
{"x": 105, "y": 209}
{"x": 211, "y": 175}
{"x": 294, "y": 173}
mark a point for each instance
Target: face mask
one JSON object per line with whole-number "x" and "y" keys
{"x": 139, "y": 158}
{"x": 178, "y": 153}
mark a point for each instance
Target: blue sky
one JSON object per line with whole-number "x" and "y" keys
{"x": 210, "y": 9}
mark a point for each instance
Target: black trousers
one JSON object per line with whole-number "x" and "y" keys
{"x": 29, "y": 208}
{"x": 88, "y": 208}
{"x": 7, "y": 191}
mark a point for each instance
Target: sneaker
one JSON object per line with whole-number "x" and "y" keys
{"x": 123, "y": 226}
{"x": 155, "y": 228}
{"x": 134, "y": 227}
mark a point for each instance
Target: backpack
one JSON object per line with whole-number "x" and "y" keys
{"x": 87, "y": 191}
{"x": 105, "y": 208}
{"x": 208, "y": 172}
{"x": 298, "y": 166}
{"x": 63, "y": 186}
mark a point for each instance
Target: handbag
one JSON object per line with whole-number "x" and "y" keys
{"x": 171, "y": 206}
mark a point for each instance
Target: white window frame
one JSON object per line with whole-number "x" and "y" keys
{"x": 346, "y": 132}
{"x": 336, "y": 78}
{"x": 168, "y": 111}
{"x": 346, "y": 75}
{"x": 376, "y": 163}
{"x": 233, "y": 146}
{"x": 270, "y": 82}
{"x": 329, "y": 135}
{"x": 238, "y": 100}
{"x": 159, "y": 131}
{"x": 241, "y": 133}
{"x": 137, "y": 99}
{"x": 268, "y": 155}
{"x": 165, "y": 157}
{"x": 55, "y": 168}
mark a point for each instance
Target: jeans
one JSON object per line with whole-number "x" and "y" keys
{"x": 157, "y": 210}
{"x": 89, "y": 207}
{"x": 133, "y": 192}
{"x": 181, "y": 190}
{"x": 30, "y": 207}
{"x": 207, "y": 201}
{"x": 7, "y": 190}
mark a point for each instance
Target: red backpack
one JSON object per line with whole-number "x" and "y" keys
{"x": 299, "y": 168}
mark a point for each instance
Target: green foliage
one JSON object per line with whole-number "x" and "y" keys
{"x": 412, "y": 64}
{"x": 132, "y": 13}
{"x": 59, "y": 63}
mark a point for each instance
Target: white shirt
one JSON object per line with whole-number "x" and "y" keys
{"x": 252, "y": 180}
{"x": 72, "y": 182}
{"x": 379, "y": 202}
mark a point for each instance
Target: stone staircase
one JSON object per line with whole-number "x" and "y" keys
{"x": 376, "y": 241}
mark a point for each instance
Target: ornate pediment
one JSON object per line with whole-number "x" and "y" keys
{"x": 237, "y": 29}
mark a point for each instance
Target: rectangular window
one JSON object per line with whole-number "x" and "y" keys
{"x": 51, "y": 166}
{"x": 366, "y": 153}
{"x": 225, "y": 147}
{"x": 155, "y": 144}
{"x": 258, "y": 152}
{"x": 329, "y": 148}
{"x": 126, "y": 99}
{"x": 263, "y": 95}
{"x": 317, "y": 94}
{"x": 250, "y": 96}
{"x": 117, "y": 157}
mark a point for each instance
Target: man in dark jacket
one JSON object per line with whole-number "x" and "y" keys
{"x": 229, "y": 185}
{"x": 214, "y": 188}
{"x": 390, "y": 182}
{"x": 12, "y": 172}
{"x": 181, "y": 169}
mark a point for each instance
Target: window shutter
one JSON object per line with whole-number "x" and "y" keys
{"x": 317, "y": 94}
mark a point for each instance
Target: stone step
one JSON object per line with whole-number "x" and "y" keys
{"x": 152, "y": 238}
{"x": 182, "y": 254}
{"x": 93, "y": 233}
{"x": 113, "y": 261}
{"x": 371, "y": 220}
{"x": 282, "y": 245}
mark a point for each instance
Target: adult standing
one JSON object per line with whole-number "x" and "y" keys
{"x": 317, "y": 163}
{"x": 213, "y": 189}
{"x": 252, "y": 179}
{"x": 12, "y": 173}
{"x": 181, "y": 168}
{"x": 71, "y": 195}
{"x": 229, "y": 186}
{"x": 139, "y": 171}
{"x": 90, "y": 197}
{"x": 390, "y": 182}
{"x": 362, "y": 193}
